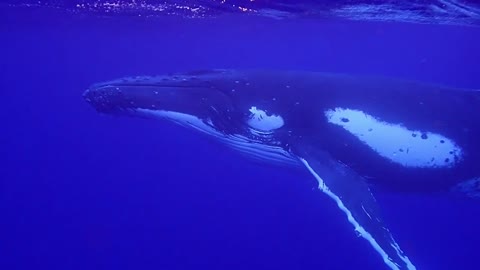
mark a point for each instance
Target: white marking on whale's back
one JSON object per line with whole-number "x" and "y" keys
{"x": 410, "y": 148}
{"x": 259, "y": 120}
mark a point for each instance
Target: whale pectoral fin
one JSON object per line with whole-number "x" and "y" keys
{"x": 352, "y": 195}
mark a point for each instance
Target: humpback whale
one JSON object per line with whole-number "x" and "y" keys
{"x": 351, "y": 133}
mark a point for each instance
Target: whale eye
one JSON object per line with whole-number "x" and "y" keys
{"x": 260, "y": 120}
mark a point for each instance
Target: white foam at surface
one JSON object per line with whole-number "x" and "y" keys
{"x": 362, "y": 231}
{"x": 410, "y": 148}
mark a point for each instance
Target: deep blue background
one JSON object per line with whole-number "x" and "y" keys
{"x": 81, "y": 190}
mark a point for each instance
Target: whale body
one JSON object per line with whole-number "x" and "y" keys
{"x": 351, "y": 133}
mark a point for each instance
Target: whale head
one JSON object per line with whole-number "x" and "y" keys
{"x": 219, "y": 103}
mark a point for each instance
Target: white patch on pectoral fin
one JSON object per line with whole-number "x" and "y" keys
{"x": 410, "y": 148}
{"x": 353, "y": 197}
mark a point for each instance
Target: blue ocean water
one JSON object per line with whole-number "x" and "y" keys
{"x": 81, "y": 190}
